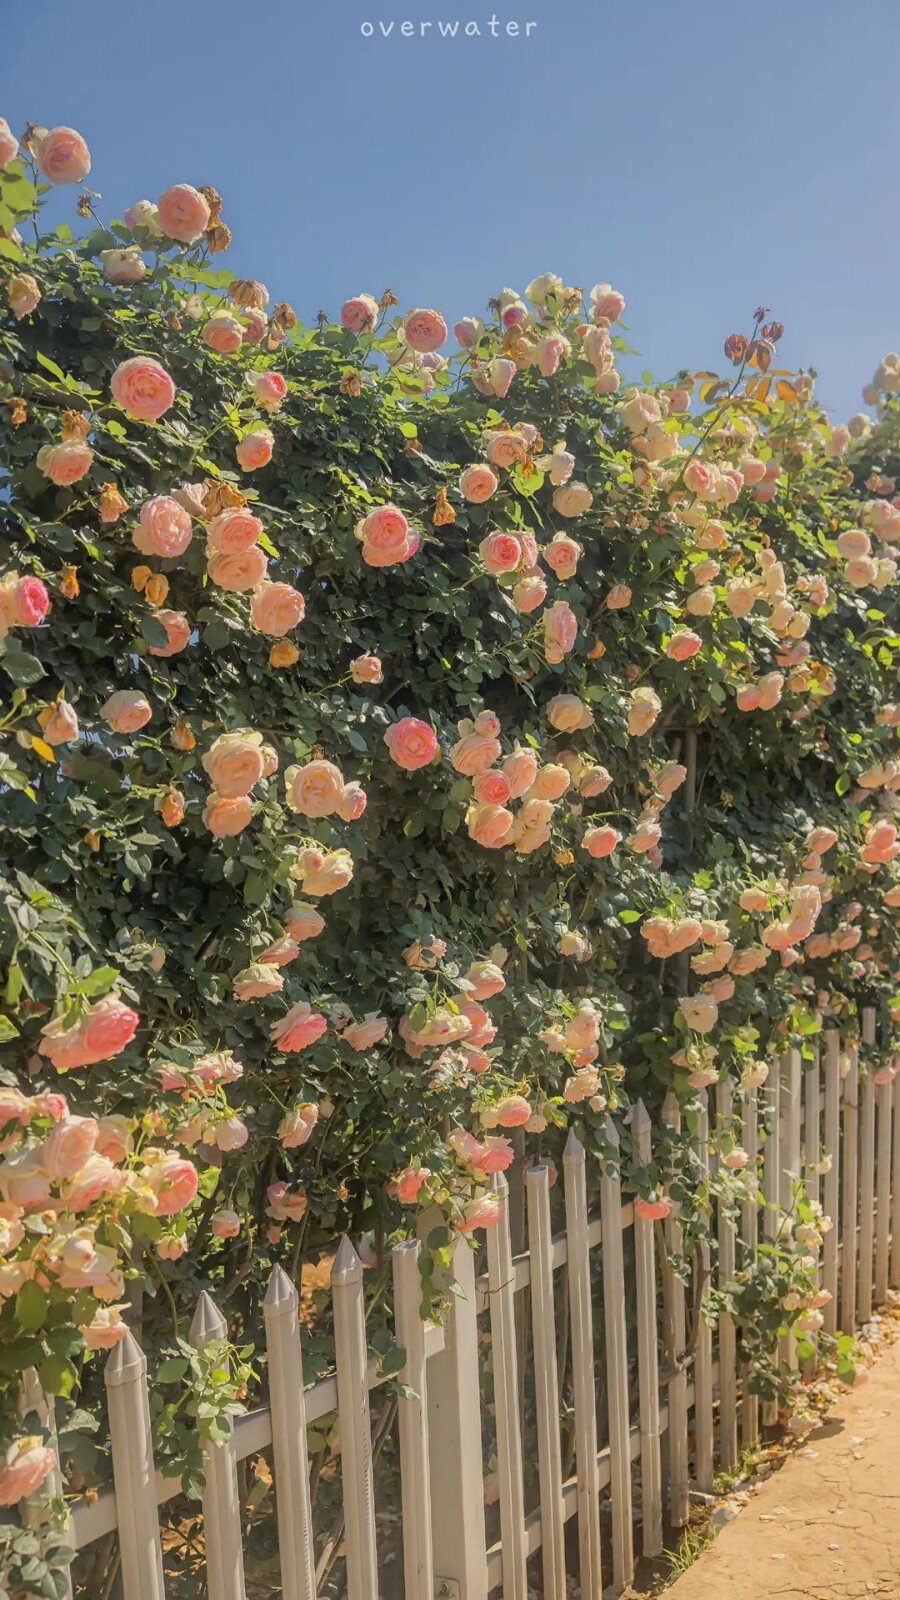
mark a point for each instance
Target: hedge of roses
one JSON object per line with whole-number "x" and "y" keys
{"x": 414, "y": 742}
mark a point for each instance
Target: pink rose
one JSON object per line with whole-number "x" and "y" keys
{"x": 304, "y": 922}
{"x": 69, "y": 1145}
{"x": 699, "y": 479}
{"x": 608, "y": 302}
{"x": 551, "y": 351}
{"x": 223, "y": 333}
{"x": 477, "y": 484}
{"x": 683, "y": 645}
{"x": 280, "y": 954}
{"x": 233, "y": 532}
{"x": 9, "y": 145}
{"x": 237, "y": 572}
{"x": 174, "y": 1182}
{"x": 182, "y": 213}
{"x": 143, "y": 388}
{"x": 560, "y": 631}
{"x": 352, "y": 803}
{"x": 385, "y": 530}
{"x": 276, "y": 608}
{"x": 425, "y": 330}
{"x": 297, "y": 1126}
{"x": 59, "y": 723}
{"x": 234, "y": 763}
{"x": 562, "y": 555}
{"x": 255, "y": 449}
{"x": 753, "y": 470}
{"x": 500, "y": 552}
{"x": 63, "y": 156}
{"x": 366, "y": 669}
{"x": 165, "y": 529}
{"x": 837, "y": 443}
{"x": 619, "y": 597}
{"x": 468, "y": 332}
{"x": 412, "y": 744}
{"x": 529, "y": 593}
{"x": 652, "y": 1210}
{"x": 474, "y": 753}
{"x": 513, "y": 1112}
{"x": 270, "y": 389}
{"x": 126, "y": 711}
{"x": 65, "y": 463}
{"x": 298, "y": 1028}
{"x": 25, "y": 1466}
{"x": 600, "y": 842}
{"x": 407, "y": 1184}
{"x": 314, "y": 790}
{"x": 105, "y": 1329}
{"x": 521, "y": 770}
{"x": 225, "y": 817}
{"x": 360, "y": 314}
{"x": 492, "y": 788}
{"x": 114, "y": 1138}
{"x": 482, "y": 1212}
{"x": 363, "y": 1035}
{"x": 489, "y": 825}
{"x": 225, "y": 1224}
{"x": 747, "y": 698}
{"x": 106, "y": 1029}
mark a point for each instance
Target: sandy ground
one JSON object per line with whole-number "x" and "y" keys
{"x": 827, "y": 1525}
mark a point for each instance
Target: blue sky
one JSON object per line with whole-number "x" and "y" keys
{"x": 704, "y": 156}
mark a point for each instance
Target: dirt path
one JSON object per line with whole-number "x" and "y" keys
{"x": 827, "y": 1525}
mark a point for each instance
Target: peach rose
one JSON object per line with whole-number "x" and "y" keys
{"x": 406, "y": 1185}
{"x": 324, "y": 872}
{"x": 223, "y": 333}
{"x": 165, "y": 528}
{"x": 562, "y": 555}
{"x": 182, "y": 213}
{"x": 24, "y": 294}
{"x": 315, "y": 790}
{"x": 174, "y": 1182}
{"x": 25, "y": 1466}
{"x": 123, "y": 266}
{"x": 412, "y": 744}
{"x": 276, "y": 608}
{"x": 143, "y": 388}
{"x": 529, "y": 593}
{"x": 63, "y": 156}
{"x": 474, "y": 753}
{"x": 572, "y": 499}
{"x": 101, "y": 1033}
{"x": 363, "y": 1035}
{"x": 359, "y": 314}
{"x": 482, "y": 1212}
{"x": 270, "y": 390}
{"x": 477, "y": 484}
{"x": 238, "y": 572}
{"x": 9, "y": 144}
{"x": 600, "y": 842}
{"x": 303, "y": 922}
{"x": 568, "y": 713}
{"x": 551, "y": 783}
{"x": 352, "y": 803}
{"x": 425, "y": 330}
{"x": 297, "y": 1126}
{"x": 65, "y": 463}
{"x": 59, "y": 722}
{"x": 560, "y": 631}
{"x": 234, "y": 763}
{"x": 225, "y": 1224}
{"x": 226, "y": 816}
{"x": 683, "y": 645}
{"x": 233, "y": 532}
{"x": 298, "y": 1028}
{"x": 178, "y": 634}
{"x": 608, "y": 302}
{"x": 424, "y": 955}
{"x": 652, "y": 1210}
{"x": 489, "y": 825}
{"x": 69, "y": 1145}
{"x": 105, "y": 1328}
{"x": 386, "y": 531}
{"x": 643, "y": 710}
{"x": 469, "y": 331}
{"x": 492, "y": 788}
{"x": 255, "y": 449}
{"x": 126, "y": 711}
{"x": 258, "y": 980}
{"x": 366, "y": 669}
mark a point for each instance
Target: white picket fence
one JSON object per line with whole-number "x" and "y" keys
{"x": 691, "y": 1417}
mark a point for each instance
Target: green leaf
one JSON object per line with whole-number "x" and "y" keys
{"x": 50, "y": 366}
{"x": 8, "y": 1029}
{"x": 20, "y": 666}
{"x": 153, "y": 631}
{"x": 31, "y": 1306}
{"x": 171, "y": 1371}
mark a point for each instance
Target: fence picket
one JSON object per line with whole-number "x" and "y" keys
{"x": 727, "y": 1335}
{"x": 355, "y": 1423}
{"x": 792, "y": 1074}
{"x": 894, "y": 1267}
{"x": 677, "y": 1435}
{"x": 546, "y": 1382}
{"x": 866, "y": 1196}
{"x": 221, "y": 1505}
{"x": 454, "y": 1432}
{"x": 582, "y": 1330}
{"x": 750, "y": 1238}
{"x": 849, "y": 1196}
{"x": 288, "y": 1407}
{"x": 412, "y": 1411}
{"x": 771, "y": 1180}
{"x": 883, "y": 1196}
{"x": 648, "y": 1352}
{"x": 703, "y": 1357}
{"x": 128, "y": 1404}
{"x": 812, "y": 1145}
{"x": 616, "y": 1362}
{"x": 832, "y": 1185}
{"x": 502, "y": 1284}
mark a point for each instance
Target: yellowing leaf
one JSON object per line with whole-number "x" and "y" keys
{"x": 42, "y": 748}
{"x": 786, "y": 390}
{"x": 761, "y": 392}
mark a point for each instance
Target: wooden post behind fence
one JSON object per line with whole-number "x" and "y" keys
{"x": 616, "y": 1362}
{"x": 850, "y": 1195}
{"x": 502, "y": 1282}
{"x": 648, "y": 1351}
{"x": 546, "y": 1382}
{"x": 355, "y": 1423}
{"x": 415, "y": 1488}
{"x": 675, "y": 1330}
{"x": 223, "y": 1540}
{"x": 832, "y": 1186}
{"x": 583, "y": 1383}
{"x": 288, "y": 1408}
{"x": 703, "y": 1358}
{"x": 727, "y": 1335}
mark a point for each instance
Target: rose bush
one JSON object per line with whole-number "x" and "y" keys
{"x": 396, "y": 745}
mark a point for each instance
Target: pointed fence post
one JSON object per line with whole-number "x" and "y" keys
{"x": 703, "y": 1359}
{"x": 812, "y": 1148}
{"x": 33, "y": 1398}
{"x": 727, "y": 1335}
{"x": 831, "y": 1197}
{"x": 223, "y": 1539}
{"x": 750, "y": 1241}
{"x": 355, "y": 1423}
{"x": 502, "y": 1285}
{"x": 883, "y": 1199}
{"x": 895, "y": 1188}
{"x": 415, "y": 1489}
{"x": 771, "y": 1176}
{"x": 792, "y": 1077}
{"x": 456, "y": 1471}
{"x": 648, "y": 1351}
{"x": 128, "y": 1406}
{"x": 582, "y": 1328}
{"x": 288, "y": 1411}
{"x": 675, "y": 1324}
{"x": 850, "y": 1197}
{"x": 546, "y": 1383}
{"x": 616, "y": 1361}
{"x": 866, "y": 1196}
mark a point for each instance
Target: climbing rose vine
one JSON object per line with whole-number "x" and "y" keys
{"x": 414, "y": 743}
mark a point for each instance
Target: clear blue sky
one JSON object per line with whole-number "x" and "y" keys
{"x": 704, "y": 156}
